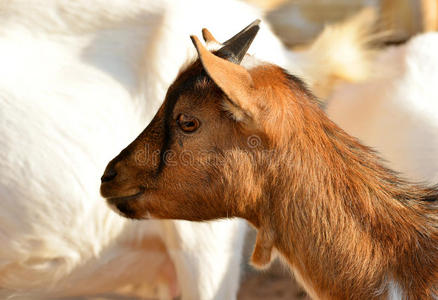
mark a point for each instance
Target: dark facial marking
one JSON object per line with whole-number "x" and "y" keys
{"x": 185, "y": 82}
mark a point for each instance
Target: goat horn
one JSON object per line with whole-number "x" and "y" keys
{"x": 235, "y": 48}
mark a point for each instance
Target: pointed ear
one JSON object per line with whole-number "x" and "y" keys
{"x": 234, "y": 80}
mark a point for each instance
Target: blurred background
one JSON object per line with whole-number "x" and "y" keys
{"x": 299, "y": 21}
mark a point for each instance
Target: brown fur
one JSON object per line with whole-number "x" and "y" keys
{"x": 345, "y": 223}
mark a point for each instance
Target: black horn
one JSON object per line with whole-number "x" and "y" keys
{"x": 235, "y": 48}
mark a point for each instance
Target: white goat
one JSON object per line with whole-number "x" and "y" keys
{"x": 396, "y": 109}
{"x": 70, "y": 73}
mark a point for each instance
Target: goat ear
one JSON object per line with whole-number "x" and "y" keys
{"x": 234, "y": 80}
{"x": 208, "y": 37}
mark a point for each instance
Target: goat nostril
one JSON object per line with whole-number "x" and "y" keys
{"x": 108, "y": 176}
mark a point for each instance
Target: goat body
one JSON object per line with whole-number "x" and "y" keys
{"x": 263, "y": 150}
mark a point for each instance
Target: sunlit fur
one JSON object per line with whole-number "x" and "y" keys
{"x": 340, "y": 54}
{"x": 395, "y": 110}
{"x": 351, "y": 228}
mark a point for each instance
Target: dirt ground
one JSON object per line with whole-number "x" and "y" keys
{"x": 273, "y": 284}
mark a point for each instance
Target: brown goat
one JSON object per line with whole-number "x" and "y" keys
{"x": 244, "y": 141}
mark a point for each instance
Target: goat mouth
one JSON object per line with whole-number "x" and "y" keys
{"x": 126, "y": 206}
{"x": 117, "y": 199}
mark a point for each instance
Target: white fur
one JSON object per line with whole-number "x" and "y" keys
{"x": 396, "y": 109}
{"x": 78, "y": 81}
{"x": 394, "y": 291}
{"x": 250, "y": 62}
{"x": 340, "y": 53}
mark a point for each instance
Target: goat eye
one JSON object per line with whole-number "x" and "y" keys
{"x": 187, "y": 123}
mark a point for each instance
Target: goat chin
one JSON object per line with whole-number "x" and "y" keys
{"x": 80, "y": 80}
